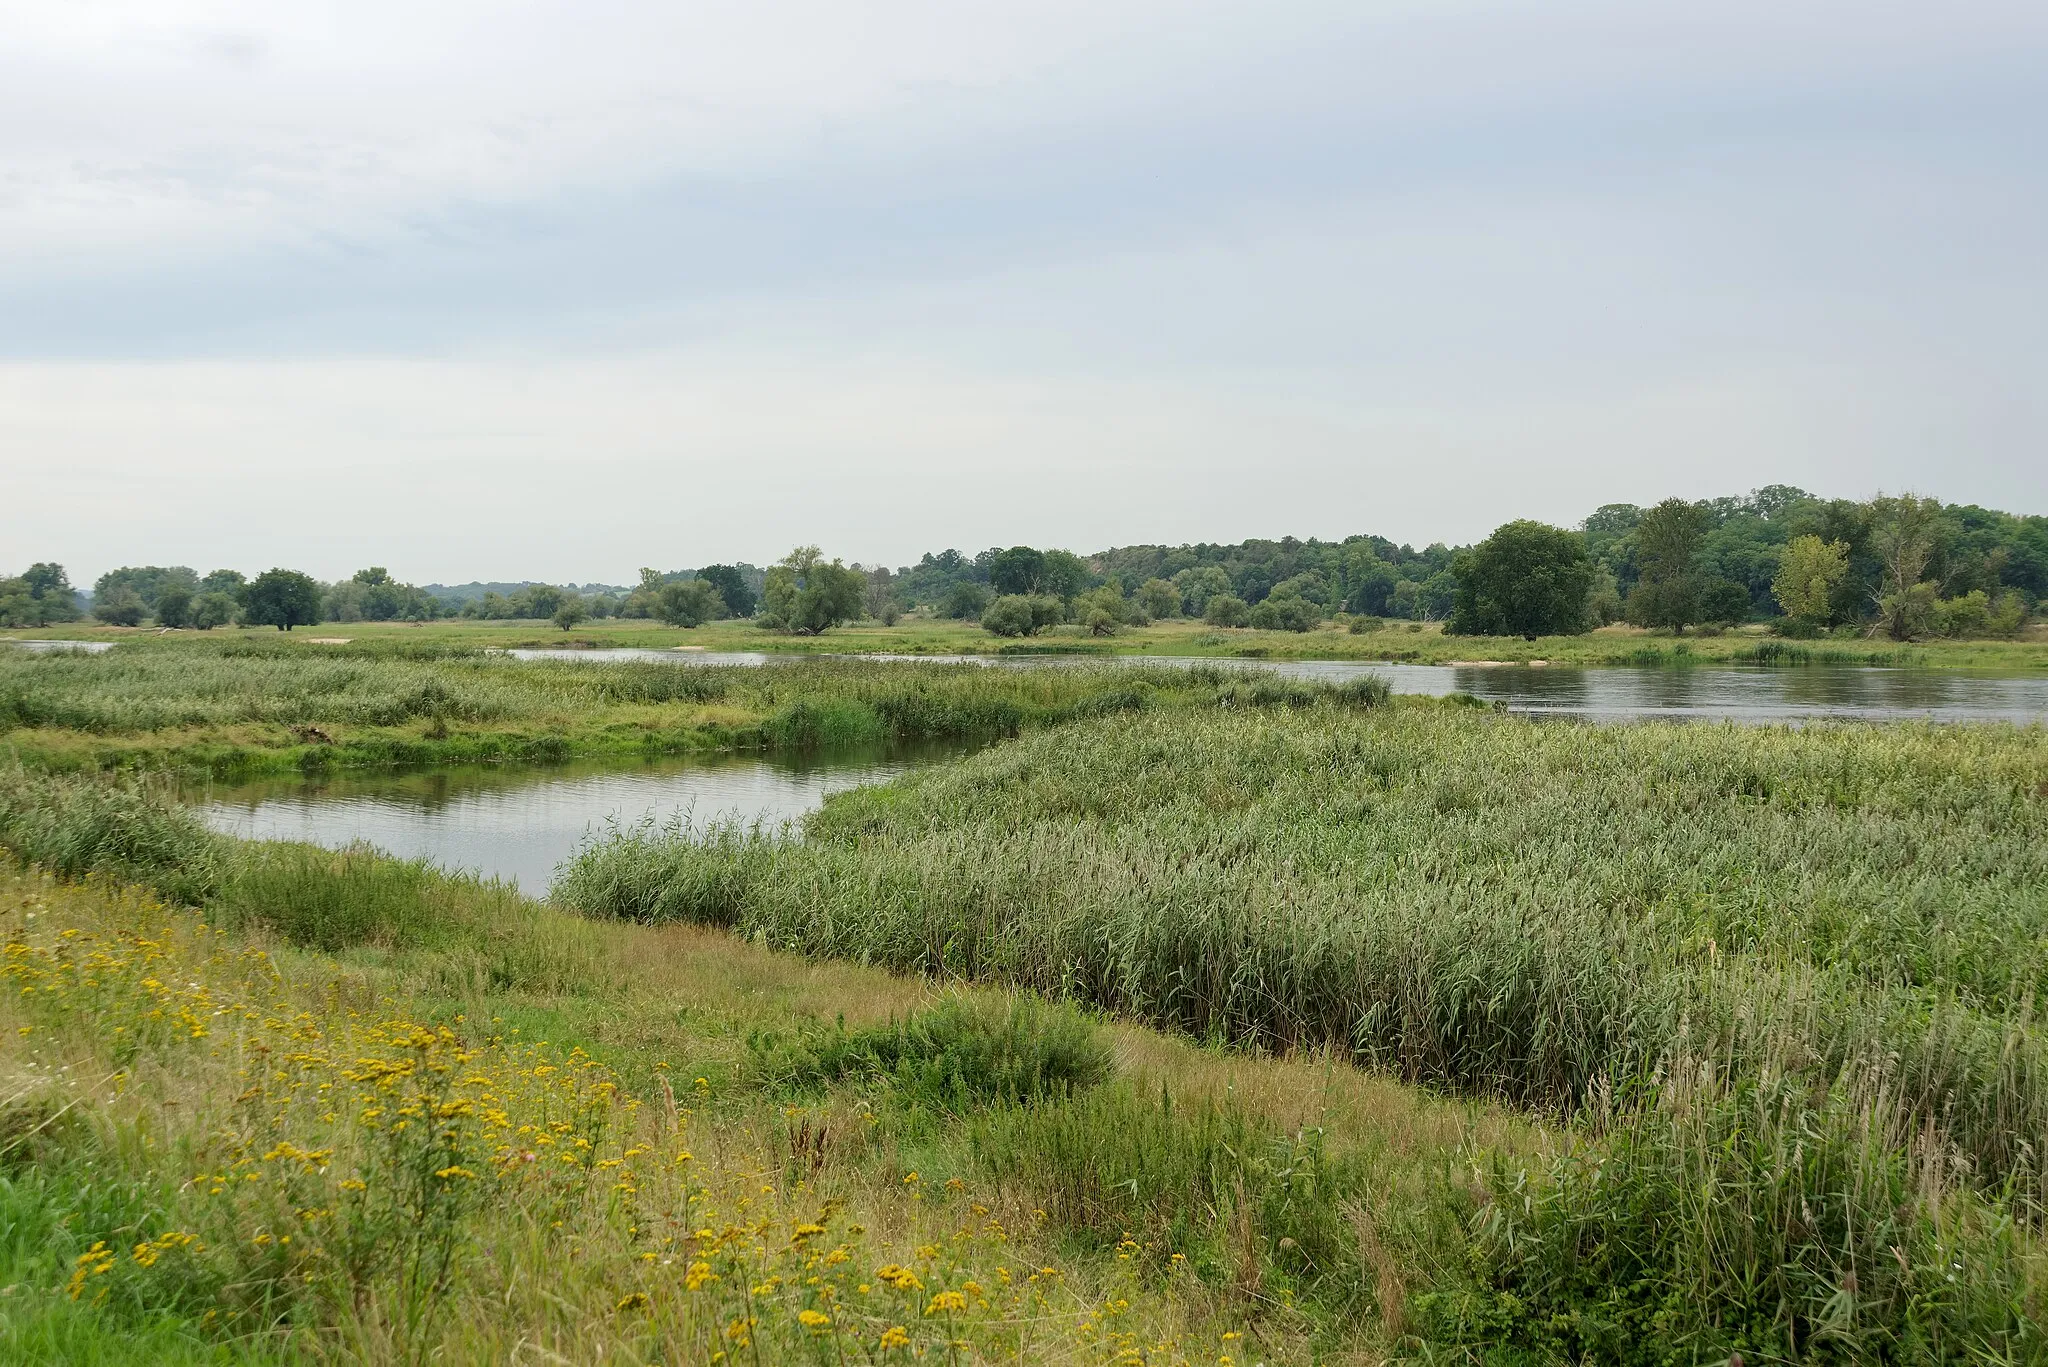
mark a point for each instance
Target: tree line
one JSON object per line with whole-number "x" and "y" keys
{"x": 1901, "y": 565}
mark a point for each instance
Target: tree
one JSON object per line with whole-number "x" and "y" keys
{"x": 878, "y": 595}
{"x": 1905, "y": 535}
{"x": 1016, "y": 571}
{"x": 120, "y": 606}
{"x": 538, "y": 600}
{"x": 731, "y": 583}
{"x": 41, "y": 595}
{"x": 1224, "y": 610}
{"x": 281, "y": 598}
{"x": 1103, "y": 610}
{"x": 966, "y": 601}
{"x": 1013, "y": 614}
{"x": 230, "y": 582}
{"x": 174, "y": 606}
{"x": 145, "y": 581}
{"x": 1668, "y": 585}
{"x": 210, "y": 610}
{"x": 570, "y": 612}
{"x": 687, "y": 602}
{"x": 1437, "y": 596}
{"x": 1723, "y": 601}
{"x": 1198, "y": 584}
{"x": 1528, "y": 579}
{"x": 806, "y": 594}
{"x": 1064, "y": 575}
{"x": 1160, "y": 598}
{"x": 1286, "y": 611}
{"x": 1371, "y": 582}
{"x": 1809, "y": 572}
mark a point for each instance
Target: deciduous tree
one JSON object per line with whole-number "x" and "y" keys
{"x": 1527, "y": 579}
{"x": 281, "y": 598}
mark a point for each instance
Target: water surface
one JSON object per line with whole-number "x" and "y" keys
{"x": 1742, "y": 693}
{"x": 519, "y": 822}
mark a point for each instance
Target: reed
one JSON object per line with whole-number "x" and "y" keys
{"x": 234, "y": 707}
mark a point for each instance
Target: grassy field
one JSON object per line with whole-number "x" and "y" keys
{"x": 233, "y": 707}
{"x": 1202, "y": 1019}
{"x": 1787, "y": 970}
{"x": 348, "y": 1107}
{"x": 1413, "y": 643}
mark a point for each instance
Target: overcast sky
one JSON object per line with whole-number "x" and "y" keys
{"x": 554, "y": 290}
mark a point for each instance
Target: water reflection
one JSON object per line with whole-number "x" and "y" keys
{"x": 519, "y": 823}
{"x": 1734, "y": 693}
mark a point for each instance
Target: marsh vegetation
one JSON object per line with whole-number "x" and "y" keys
{"x": 1203, "y": 1015}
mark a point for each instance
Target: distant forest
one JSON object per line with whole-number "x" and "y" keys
{"x": 1905, "y": 565}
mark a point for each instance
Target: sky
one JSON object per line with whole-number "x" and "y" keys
{"x": 552, "y": 291}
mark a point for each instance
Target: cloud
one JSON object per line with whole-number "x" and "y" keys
{"x": 890, "y": 274}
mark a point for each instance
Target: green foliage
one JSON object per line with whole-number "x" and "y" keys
{"x": 1285, "y": 610}
{"x": 1809, "y": 574}
{"x": 1198, "y": 584}
{"x": 807, "y": 594}
{"x": 174, "y": 606}
{"x": 956, "y": 1057}
{"x": 1159, "y": 598}
{"x": 1020, "y": 614}
{"x": 146, "y": 582}
{"x": 966, "y": 601}
{"x": 1670, "y": 588}
{"x": 687, "y": 603}
{"x": 572, "y": 611}
{"x": 120, "y": 606}
{"x": 1105, "y": 610}
{"x": 1272, "y": 1211}
{"x": 212, "y": 609}
{"x": 1527, "y": 579}
{"x": 1018, "y": 571}
{"x": 733, "y": 587}
{"x": 40, "y": 596}
{"x": 281, "y": 598}
{"x": 1467, "y": 899}
{"x": 1691, "y": 1231}
{"x": 1226, "y": 610}
{"x": 131, "y": 832}
{"x": 372, "y": 595}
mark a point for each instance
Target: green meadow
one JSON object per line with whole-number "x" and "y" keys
{"x": 1196, "y": 1018}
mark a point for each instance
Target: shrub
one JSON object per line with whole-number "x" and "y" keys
{"x": 1696, "y": 1224}
{"x": 1011, "y": 615}
{"x": 1286, "y": 613}
{"x": 129, "y": 831}
{"x": 1225, "y": 610}
{"x": 955, "y": 1057}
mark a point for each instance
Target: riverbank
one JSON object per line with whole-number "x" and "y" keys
{"x": 1398, "y": 642}
{"x": 647, "y": 1144}
{"x": 662, "y": 1142}
{"x": 244, "y": 708}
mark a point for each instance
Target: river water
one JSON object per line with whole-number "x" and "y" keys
{"x": 1698, "y": 692}
{"x": 519, "y": 822}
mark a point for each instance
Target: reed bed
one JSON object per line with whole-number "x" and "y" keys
{"x": 231, "y": 705}
{"x": 1569, "y": 917}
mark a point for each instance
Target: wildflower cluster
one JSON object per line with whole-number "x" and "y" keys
{"x": 348, "y": 1164}
{"x": 356, "y": 1146}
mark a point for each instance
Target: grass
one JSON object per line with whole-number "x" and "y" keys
{"x": 228, "y": 707}
{"x": 251, "y": 1131}
{"x": 1678, "y": 1043}
{"x": 1840, "y": 929}
{"x": 1415, "y": 643}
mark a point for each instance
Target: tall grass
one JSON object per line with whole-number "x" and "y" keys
{"x": 1518, "y": 910}
{"x": 225, "y": 704}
